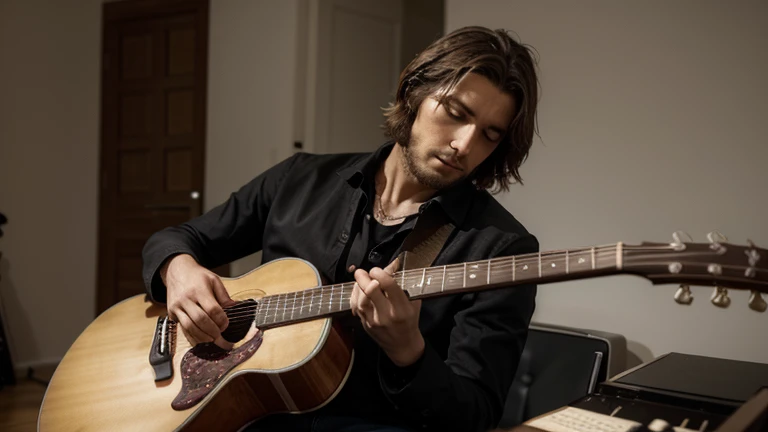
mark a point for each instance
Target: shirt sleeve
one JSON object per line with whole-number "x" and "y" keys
{"x": 467, "y": 391}
{"x": 230, "y": 231}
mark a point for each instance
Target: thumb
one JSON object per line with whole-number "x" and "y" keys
{"x": 221, "y": 293}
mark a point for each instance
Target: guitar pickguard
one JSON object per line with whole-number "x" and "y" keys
{"x": 203, "y": 366}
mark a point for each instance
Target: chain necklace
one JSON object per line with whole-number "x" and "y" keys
{"x": 382, "y": 215}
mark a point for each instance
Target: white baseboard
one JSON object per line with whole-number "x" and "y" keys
{"x": 44, "y": 366}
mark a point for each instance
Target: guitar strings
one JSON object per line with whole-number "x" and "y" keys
{"x": 456, "y": 272}
{"x": 287, "y": 304}
{"x": 520, "y": 259}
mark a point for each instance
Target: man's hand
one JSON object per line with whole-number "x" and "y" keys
{"x": 388, "y": 315}
{"x": 195, "y": 299}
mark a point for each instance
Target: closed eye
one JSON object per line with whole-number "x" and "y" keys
{"x": 492, "y": 135}
{"x": 454, "y": 113}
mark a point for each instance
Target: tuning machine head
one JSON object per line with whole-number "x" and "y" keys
{"x": 756, "y": 302}
{"x": 678, "y": 244}
{"x": 683, "y": 295}
{"x": 720, "y": 297}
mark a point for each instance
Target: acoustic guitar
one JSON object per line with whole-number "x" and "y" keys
{"x": 132, "y": 370}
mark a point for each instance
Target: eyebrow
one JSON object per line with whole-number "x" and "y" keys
{"x": 462, "y": 105}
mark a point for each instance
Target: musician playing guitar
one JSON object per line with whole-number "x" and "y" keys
{"x": 462, "y": 125}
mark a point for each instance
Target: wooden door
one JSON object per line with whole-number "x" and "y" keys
{"x": 152, "y": 131}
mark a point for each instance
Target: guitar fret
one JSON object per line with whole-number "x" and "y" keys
{"x": 311, "y": 301}
{"x": 593, "y": 258}
{"x": 566, "y": 262}
{"x": 442, "y": 289}
{"x": 303, "y": 298}
{"x": 430, "y": 278}
{"x": 488, "y": 278}
{"x": 464, "y": 284}
{"x": 423, "y": 277}
{"x": 276, "y": 304}
{"x": 265, "y": 309}
{"x": 258, "y": 316}
{"x": 513, "y": 268}
{"x": 539, "y": 264}
{"x": 330, "y": 301}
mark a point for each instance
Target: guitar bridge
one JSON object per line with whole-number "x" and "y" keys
{"x": 161, "y": 353}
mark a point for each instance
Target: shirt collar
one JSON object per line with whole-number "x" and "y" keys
{"x": 455, "y": 201}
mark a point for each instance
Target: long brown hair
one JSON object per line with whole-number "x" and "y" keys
{"x": 493, "y": 54}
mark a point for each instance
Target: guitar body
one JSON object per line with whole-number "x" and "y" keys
{"x": 105, "y": 381}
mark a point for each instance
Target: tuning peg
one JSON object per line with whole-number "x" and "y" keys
{"x": 715, "y": 238}
{"x": 720, "y": 297}
{"x": 756, "y": 302}
{"x": 683, "y": 295}
{"x": 678, "y": 244}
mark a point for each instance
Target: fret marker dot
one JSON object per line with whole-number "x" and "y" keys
{"x": 553, "y": 265}
{"x": 472, "y": 276}
{"x": 581, "y": 260}
{"x": 525, "y": 267}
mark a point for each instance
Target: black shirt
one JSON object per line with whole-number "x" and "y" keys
{"x": 473, "y": 340}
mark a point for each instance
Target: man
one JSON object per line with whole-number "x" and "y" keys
{"x": 463, "y": 122}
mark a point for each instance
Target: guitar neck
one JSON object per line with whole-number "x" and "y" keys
{"x": 542, "y": 267}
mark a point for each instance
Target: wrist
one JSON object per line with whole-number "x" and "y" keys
{"x": 408, "y": 354}
{"x": 171, "y": 264}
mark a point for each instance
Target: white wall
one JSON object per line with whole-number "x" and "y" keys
{"x": 49, "y": 111}
{"x": 653, "y": 119}
{"x": 251, "y": 95}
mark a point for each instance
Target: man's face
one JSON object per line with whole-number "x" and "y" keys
{"x": 449, "y": 140}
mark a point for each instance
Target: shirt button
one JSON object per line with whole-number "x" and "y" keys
{"x": 344, "y": 237}
{"x": 374, "y": 256}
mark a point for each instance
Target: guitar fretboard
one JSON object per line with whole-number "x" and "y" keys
{"x": 548, "y": 266}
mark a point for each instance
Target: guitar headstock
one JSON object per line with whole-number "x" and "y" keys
{"x": 724, "y": 265}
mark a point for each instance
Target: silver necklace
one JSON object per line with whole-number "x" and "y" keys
{"x": 382, "y": 215}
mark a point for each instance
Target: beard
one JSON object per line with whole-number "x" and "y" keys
{"x": 423, "y": 174}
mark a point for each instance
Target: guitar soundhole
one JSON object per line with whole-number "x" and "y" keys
{"x": 203, "y": 366}
{"x": 240, "y": 319}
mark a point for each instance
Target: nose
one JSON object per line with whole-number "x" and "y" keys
{"x": 463, "y": 140}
